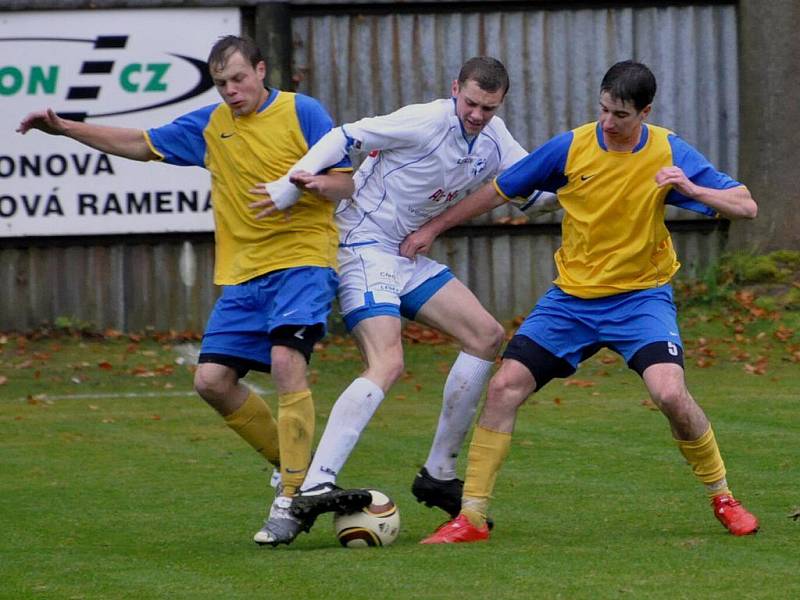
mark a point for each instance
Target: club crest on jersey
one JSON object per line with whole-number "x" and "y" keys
{"x": 477, "y": 164}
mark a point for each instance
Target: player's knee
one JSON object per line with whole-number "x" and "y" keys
{"x": 385, "y": 370}
{"x": 393, "y": 369}
{"x": 672, "y": 398}
{"x": 288, "y": 367}
{"x": 505, "y": 393}
{"x": 211, "y": 384}
{"x": 486, "y": 339}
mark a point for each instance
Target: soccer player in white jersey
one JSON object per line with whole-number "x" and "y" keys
{"x": 420, "y": 160}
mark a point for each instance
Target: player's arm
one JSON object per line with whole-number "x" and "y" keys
{"x": 478, "y": 202}
{"x": 731, "y": 203}
{"x": 522, "y": 183}
{"x": 120, "y": 141}
{"x": 333, "y": 185}
{"x": 405, "y": 126}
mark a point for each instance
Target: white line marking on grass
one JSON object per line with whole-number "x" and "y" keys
{"x": 109, "y": 395}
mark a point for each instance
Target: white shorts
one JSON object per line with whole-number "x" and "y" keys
{"x": 374, "y": 282}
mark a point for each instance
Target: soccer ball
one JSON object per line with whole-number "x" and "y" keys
{"x": 375, "y": 525}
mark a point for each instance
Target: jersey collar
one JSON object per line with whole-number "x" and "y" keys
{"x": 639, "y": 146}
{"x": 470, "y": 140}
{"x": 273, "y": 93}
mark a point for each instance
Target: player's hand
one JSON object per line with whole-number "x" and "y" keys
{"x": 266, "y": 205}
{"x": 43, "y": 120}
{"x": 277, "y": 195}
{"x": 308, "y": 181}
{"x": 419, "y": 242}
{"x": 675, "y": 177}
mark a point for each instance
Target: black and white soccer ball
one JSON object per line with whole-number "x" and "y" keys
{"x": 375, "y": 525}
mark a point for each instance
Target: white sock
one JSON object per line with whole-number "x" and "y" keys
{"x": 350, "y": 415}
{"x": 462, "y": 392}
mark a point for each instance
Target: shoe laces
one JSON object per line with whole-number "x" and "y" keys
{"x": 280, "y": 509}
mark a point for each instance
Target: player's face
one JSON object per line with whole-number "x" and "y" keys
{"x": 240, "y": 84}
{"x": 620, "y": 121}
{"x": 475, "y": 106}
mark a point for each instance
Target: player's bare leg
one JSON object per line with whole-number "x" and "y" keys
{"x": 696, "y": 441}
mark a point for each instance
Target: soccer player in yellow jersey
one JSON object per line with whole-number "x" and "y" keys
{"x": 277, "y": 274}
{"x": 613, "y": 177}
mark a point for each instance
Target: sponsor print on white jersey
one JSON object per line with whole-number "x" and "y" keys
{"x": 419, "y": 162}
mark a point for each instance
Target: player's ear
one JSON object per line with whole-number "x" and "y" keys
{"x": 261, "y": 70}
{"x": 646, "y": 111}
{"x": 455, "y": 87}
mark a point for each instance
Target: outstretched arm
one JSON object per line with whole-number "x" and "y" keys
{"x": 480, "y": 201}
{"x": 120, "y": 141}
{"x": 732, "y": 203}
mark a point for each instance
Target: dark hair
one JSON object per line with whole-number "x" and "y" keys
{"x": 228, "y": 44}
{"x": 630, "y": 81}
{"x": 489, "y": 73}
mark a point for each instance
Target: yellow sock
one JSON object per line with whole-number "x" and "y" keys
{"x": 487, "y": 452}
{"x": 254, "y": 423}
{"x": 704, "y": 457}
{"x": 296, "y": 433}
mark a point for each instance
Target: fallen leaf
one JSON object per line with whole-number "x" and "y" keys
{"x": 581, "y": 383}
{"x": 105, "y": 365}
{"x": 784, "y": 334}
{"x": 3, "y": 380}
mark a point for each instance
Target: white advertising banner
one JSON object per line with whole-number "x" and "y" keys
{"x": 127, "y": 68}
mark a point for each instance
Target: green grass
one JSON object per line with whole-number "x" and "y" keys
{"x": 149, "y": 495}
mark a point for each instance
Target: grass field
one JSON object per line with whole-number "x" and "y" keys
{"x": 117, "y": 482}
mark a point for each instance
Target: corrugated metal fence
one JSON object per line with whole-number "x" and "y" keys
{"x": 372, "y": 63}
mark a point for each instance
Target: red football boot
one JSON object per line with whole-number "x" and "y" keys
{"x": 735, "y": 517}
{"x": 457, "y": 531}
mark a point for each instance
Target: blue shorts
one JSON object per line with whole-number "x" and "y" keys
{"x": 573, "y": 328}
{"x": 245, "y": 315}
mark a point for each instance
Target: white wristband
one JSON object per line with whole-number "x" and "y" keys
{"x": 283, "y": 193}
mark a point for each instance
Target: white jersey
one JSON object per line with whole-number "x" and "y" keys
{"x": 419, "y": 163}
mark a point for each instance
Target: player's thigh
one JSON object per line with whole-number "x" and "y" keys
{"x": 559, "y": 326}
{"x": 541, "y": 364}
{"x": 236, "y": 334}
{"x": 456, "y": 311}
{"x": 370, "y": 283}
{"x": 298, "y": 302}
{"x": 643, "y": 327}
